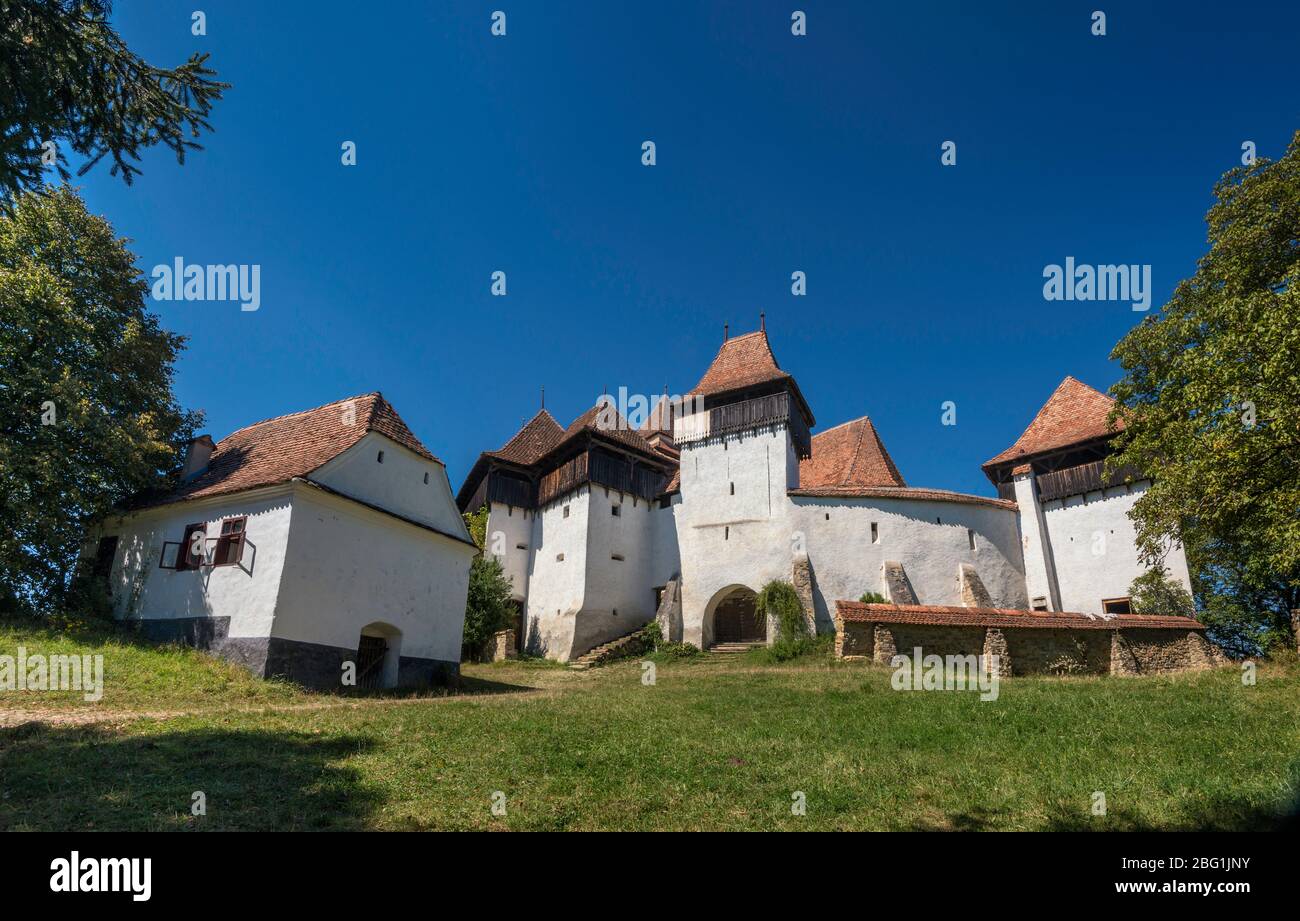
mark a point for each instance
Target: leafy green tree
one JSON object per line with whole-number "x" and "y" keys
{"x": 1209, "y": 400}
{"x": 477, "y": 524}
{"x": 67, "y": 76}
{"x": 488, "y": 607}
{"x": 1156, "y": 592}
{"x": 87, "y": 414}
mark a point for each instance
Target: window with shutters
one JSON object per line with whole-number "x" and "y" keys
{"x": 191, "y": 548}
{"x": 230, "y": 545}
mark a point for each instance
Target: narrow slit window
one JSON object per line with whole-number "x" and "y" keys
{"x": 616, "y": 556}
{"x": 875, "y": 533}
{"x": 379, "y": 458}
{"x": 970, "y": 538}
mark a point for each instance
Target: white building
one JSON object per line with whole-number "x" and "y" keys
{"x": 299, "y": 544}
{"x": 600, "y": 526}
{"x": 1080, "y": 546}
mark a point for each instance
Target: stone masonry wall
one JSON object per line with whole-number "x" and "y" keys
{"x": 1035, "y": 650}
{"x": 1038, "y": 651}
{"x": 938, "y": 641}
{"x": 854, "y": 639}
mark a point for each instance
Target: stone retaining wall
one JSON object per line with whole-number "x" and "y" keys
{"x": 1035, "y": 650}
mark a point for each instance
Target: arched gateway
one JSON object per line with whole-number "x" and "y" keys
{"x": 735, "y": 620}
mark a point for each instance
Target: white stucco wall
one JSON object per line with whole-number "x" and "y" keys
{"x": 619, "y": 595}
{"x": 665, "y": 554}
{"x": 348, "y": 566}
{"x": 1094, "y": 545}
{"x": 1036, "y": 547}
{"x": 510, "y": 530}
{"x": 556, "y": 588}
{"x": 727, "y": 539}
{"x": 930, "y": 538}
{"x": 246, "y": 594}
{"x": 397, "y": 484}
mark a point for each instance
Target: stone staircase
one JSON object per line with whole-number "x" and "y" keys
{"x": 731, "y": 649}
{"x": 630, "y": 645}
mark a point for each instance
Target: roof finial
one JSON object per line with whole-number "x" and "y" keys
{"x": 762, "y": 322}
{"x": 543, "y": 396}
{"x": 726, "y": 331}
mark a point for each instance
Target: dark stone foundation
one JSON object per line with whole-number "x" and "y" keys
{"x": 311, "y": 665}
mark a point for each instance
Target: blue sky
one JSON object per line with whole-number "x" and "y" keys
{"x": 820, "y": 153}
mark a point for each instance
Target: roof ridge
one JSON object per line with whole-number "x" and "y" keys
{"x": 857, "y": 455}
{"x": 303, "y": 412}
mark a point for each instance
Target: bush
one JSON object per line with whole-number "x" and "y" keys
{"x": 1155, "y": 592}
{"x": 787, "y": 649}
{"x": 677, "y": 651}
{"x": 653, "y": 634}
{"x": 488, "y": 607}
{"x": 873, "y": 598}
{"x": 779, "y": 599}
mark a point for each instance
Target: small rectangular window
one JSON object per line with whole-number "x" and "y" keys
{"x": 170, "y": 557}
{"x": 521, "y": 546}
{"x": 616, "y": 510}
{"x": 426, "y": 478}
{"x": 1117, "y": 605}
{"x": 726, "y": 533}
{"x": 875, "y": 533}
{"x": 616, "y": 556}
{"x": 230, "y": 545}
{"x": 559, "y": 557}
{"x": 566, "y": 511}
{"x": 1038, "y": 604}
{"x": 970, "y": 538}
{"x": 380, "y": 457}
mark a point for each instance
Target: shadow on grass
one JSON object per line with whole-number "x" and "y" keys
{"x": 57, "y": 778}
{"x": 1226, "y": 814}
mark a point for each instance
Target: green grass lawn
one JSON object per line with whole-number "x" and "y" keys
{"x": 711, "y": 745}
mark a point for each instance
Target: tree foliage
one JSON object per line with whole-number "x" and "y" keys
{"x": 488, "y": 607}
{"x": 476, "y": 522}
{"x": 1156, "y": 592}
{"x": 67, "y": 76}
{"x": 1209, "y": 402}
{"x": 87, "y": 414}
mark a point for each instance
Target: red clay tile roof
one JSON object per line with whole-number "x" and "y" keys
{"x": 746, "y": 361}
{"x": 742, "y": 361}
{"x": 898, "y": 492}
{"x": 277, "y": 450}
{"x": 605, "y": 419}
{"x": 851, "y": 454}
{"x": 947, "y": 616}
{"x": 1075, "y": 413}
{"x": 674, "y": 484}
{"x": 537, "y": 436}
